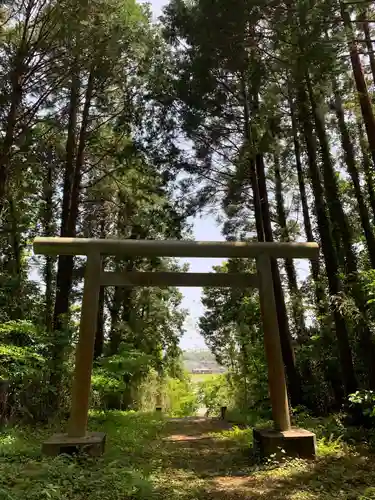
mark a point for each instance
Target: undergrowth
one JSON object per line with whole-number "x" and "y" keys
{"x": 147, "y": 459}
{"x": 123, "y": 472}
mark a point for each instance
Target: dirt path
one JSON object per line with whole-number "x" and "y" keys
{"x": 202, "y": 460}
{"x": 206, "y": 459}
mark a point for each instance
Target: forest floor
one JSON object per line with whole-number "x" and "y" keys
{"x": 148, "y": 457}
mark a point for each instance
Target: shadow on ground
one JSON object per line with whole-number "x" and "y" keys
{"x": 201, "y": 460}
{"x": 196, "y": 445}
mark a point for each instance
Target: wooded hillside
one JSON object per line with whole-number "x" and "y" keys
{"x": 200, "y": 359}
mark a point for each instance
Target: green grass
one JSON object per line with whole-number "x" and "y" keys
{"x": 149, "y": 459}
{"x": 202, "y": 377}
{"x": 124, "y": 471}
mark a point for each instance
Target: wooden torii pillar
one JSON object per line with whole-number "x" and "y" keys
{"x": 293, "y": 441}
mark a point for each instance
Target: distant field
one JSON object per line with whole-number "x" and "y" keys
{"x": 201, "y": 377}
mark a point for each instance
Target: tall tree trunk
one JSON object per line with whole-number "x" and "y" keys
{"x": 62, "y": 278}
{"x": 353, "y": 172}
{"x": 127, "y": 302}
{"x": 359, "y": 77}
{"x": 16, "y": 84}
{"x": 76, "y": 189}
{"x": 70, "y": 225}
{"x": 296, "y": 299}
{"x": 119, "y": 298}
{"x": 48, "y": 229}
{"x": 72, "y": 182}
{"x": 99, "y": 335}
{"x": 328, "y": 248}
{"x": 294, "y": 380}
{"x": 251, "y": 164}
{"x": 339, "y": 217}
{"x": 261, "y": 209}
{"x": 16, "y": 268}
{"x": 115, "y": 334}
{"x": 341, "y": 229}
{"x": 367, "y": 170}
{"x": 368, "y": 40}
{"x": 319, "y": 290}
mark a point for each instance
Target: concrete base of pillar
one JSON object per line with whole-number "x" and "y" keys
{"x": 92, "y": 444}
{"x": 292, "y": 443}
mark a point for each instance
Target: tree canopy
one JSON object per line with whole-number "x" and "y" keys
{"x": 112, "y": 125}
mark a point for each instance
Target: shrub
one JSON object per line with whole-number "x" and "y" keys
{"x": 363, "y": 404}
{"x": 116, "y": 378}
{"x": 24, "y": 364}
{"x": 213, "y": 393}
{"x": 181, "y": 400}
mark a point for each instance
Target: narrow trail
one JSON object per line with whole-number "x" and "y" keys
{"x": 208, "y": 459}
{"x": 202, "y": 461}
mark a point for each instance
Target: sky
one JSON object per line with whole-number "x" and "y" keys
{"x": 204, "y": 229}
{"x": 156, "y": 6}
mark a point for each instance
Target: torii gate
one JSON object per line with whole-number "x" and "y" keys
{"x": 293, "y": 441}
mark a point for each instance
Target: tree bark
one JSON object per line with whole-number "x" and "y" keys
{"x": 16, "y": 84}
{"x": 15, "y": 267}
{"x": 328, "y": 248}
{"x": 99, "y": 335}
{"x": 72, "y": 185}
{"x": 47, "y": 221}
{"x": 63, "y": 279}
{"x": 285, "y": 337}
{"x": 115, "y": 334}
{"x": 367, "y": 168}
{"x": 353, "y": 172}
{"x": 368, "y": 40}
{"x": 293, "y": 378}
{"x": 296, "y": 299}
{"x": 319, "y": 290}
{"x": 251, "y": 164}
{"x": 70, "y": 225}
{"x": 343, "y": 231}
{"x": 359, "y": 77}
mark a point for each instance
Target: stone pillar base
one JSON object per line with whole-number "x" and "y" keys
{"x": 92, "y": 444}
{"x": 292, "y": 443}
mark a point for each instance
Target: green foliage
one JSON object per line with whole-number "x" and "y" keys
{"x": 180, "y": 398}
{"x": 232, "y": 330}
{"x": 18, "y": 363}
{"x": 369, "y": 494}
{"x": 215, "y": 392}
{"x": 365, "y": 402}
{"x": 24, "y": 364}
{"x": 90, "y": 163}
{"x": 127, "y": 363}
{"x": 145, "y": 461}
{"x": 255, "y": 96}
{"x": 121, "y": 474}
{"x": 116, "y": 378}
{"x": 105, "y": 384}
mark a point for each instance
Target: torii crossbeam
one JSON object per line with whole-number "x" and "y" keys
{"x": 77, "y": 436}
